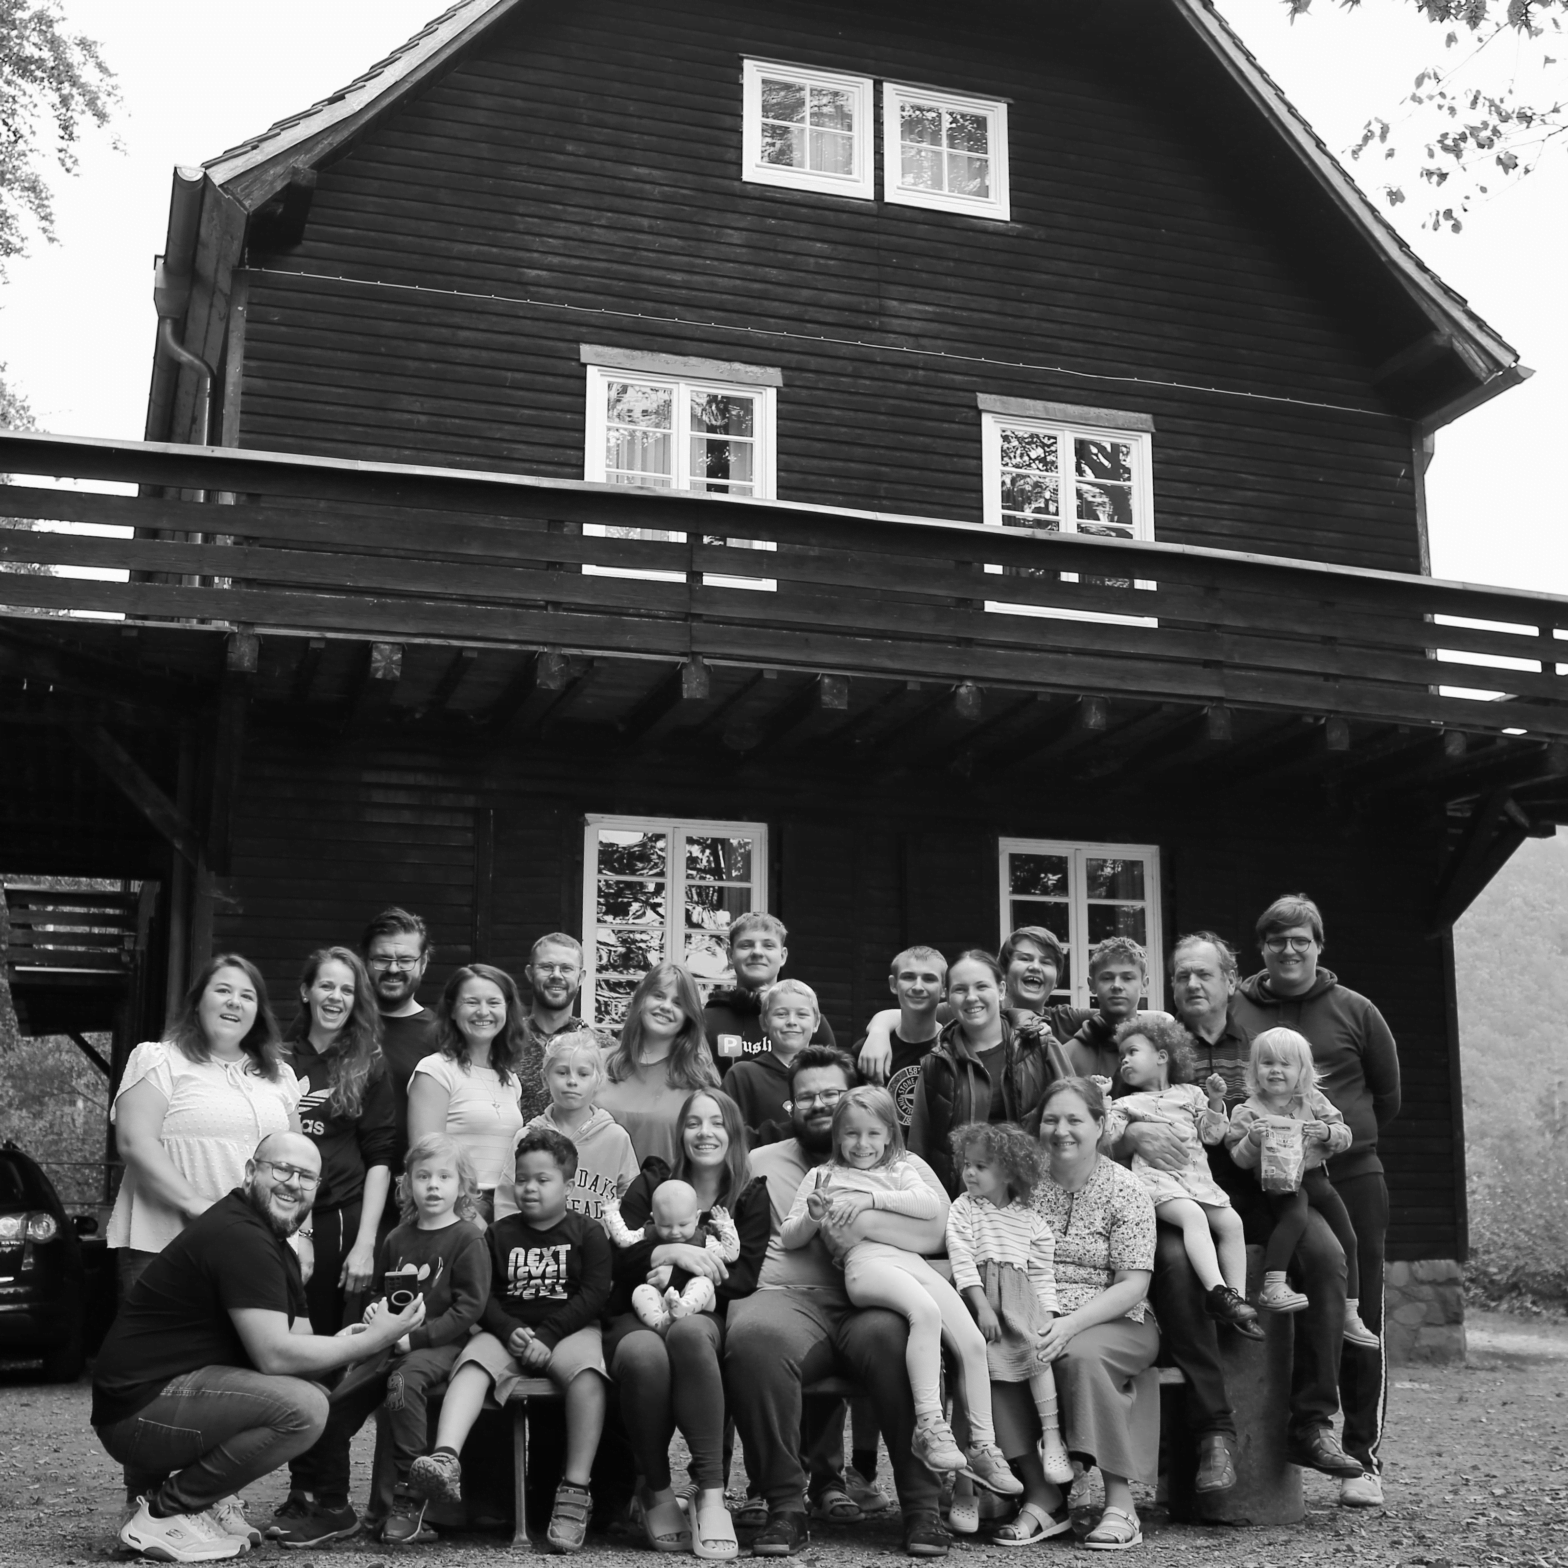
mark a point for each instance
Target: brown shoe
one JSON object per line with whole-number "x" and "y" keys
{"x": 1216, "y": 1463}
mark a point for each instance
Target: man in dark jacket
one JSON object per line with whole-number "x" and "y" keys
{"x": 1354, "y": 1050}
{"x": 732, "y": 1020}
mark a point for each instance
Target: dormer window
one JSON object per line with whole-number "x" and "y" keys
{"x": 808, "y": 129}
{"x": 944, "y": 150}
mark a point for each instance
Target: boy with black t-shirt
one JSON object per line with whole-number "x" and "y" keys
{"x": 732, "y": 1020}
{"x": 549, "y": 1285}
{"x": 917, "y": 978}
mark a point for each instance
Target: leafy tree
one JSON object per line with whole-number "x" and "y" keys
{"x": 1475, "y": 137}
{"x": 54, "y": 86}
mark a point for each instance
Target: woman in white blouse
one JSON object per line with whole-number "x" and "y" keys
{"x": 192, "y": 1107}
{"x": 469, "y": 1089}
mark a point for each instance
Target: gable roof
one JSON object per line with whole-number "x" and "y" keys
{"x": 257, "y": 169}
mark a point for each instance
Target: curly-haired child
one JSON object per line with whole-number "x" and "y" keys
{"x": 1158, "y": 1065}
{"x": 1002, "y": 1253}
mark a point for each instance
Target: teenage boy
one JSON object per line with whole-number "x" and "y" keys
{"x": 917, "y": 977}
{"x": 1118, "y": 976}
{"x": 397, "y": 951}
{"x": 555, "y": 977}
{"x": 759, "y": 1084}
{"x": 549, "y": 1286}
{"x": 732, "y": 1020}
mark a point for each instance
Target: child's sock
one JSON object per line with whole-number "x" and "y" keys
{"x": 1274, "y": 1277}
{"x": 865, "y": 1461}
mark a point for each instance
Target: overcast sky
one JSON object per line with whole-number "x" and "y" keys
{"x": 76, "y": 320}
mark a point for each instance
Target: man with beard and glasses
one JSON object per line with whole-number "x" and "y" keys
{"x": 397, "y": 951}
{"x": 555, "y": 976}
{"x": 210, "y": 1376}
{"x": 798, "y": 1327}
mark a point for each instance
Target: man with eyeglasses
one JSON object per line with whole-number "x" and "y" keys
{"x": 397, "y": 952}
{"x": 210, "y": 1377}
{"x": 1355, "y": 1052}
{"x": 798, "y": 1326}
{"x": 555, "y": 978}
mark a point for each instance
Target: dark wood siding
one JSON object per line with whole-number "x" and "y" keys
{"x": 323, "y": 841}
{"x": 587, "y": 156}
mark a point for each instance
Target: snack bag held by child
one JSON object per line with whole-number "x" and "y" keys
{"x": 1282, "y": 1157}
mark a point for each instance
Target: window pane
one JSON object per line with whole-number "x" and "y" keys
{"x": 624, "y": 852}
{"x": 627, "y": 952}
{"x": 708, "y": 958}
{"x": 711, "y": 907}
{"x": 1097, "y": 459}
{"x": 968, "y": 133}
{"x": 630, "y": 903}
{"x": 1033, "y": 449}
{"x": 638, "y": 427}
{"x": 833, "y": 108}
{"x": 784, "y": 145}
{"x": 724, "y": 466}
{"x": 920, "y": 123}
{"x": 1116, "y": 920}
{"x": 832, "y": 152}
{"x": 921, "y": 169}
{"x": 968, "y": 175}
{"x": 1041, "y": 875}
{"x": 719, "y": 859}
{"x": 1053, "y": 916}
{"x": 721, "y": 413}
{"x": 1030, "y": 500}
{"x": 783, "y": 100}
{"x": 1114, "y": 878}
{"x": 610, "y": 999}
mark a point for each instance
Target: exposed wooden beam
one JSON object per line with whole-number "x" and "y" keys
{"x": 378, "y": 681}
{"x": 577, "y": 682}
{"x": 1488, "y": 841}
{"x": 506, "y": 707}
{"x": 790, "y": 714}
{"x": 92, "y": 1054}
{"x": 452, "y": 677}
{"x": 310, "y": 656}
{"x": 902, "y": 745}
{"x": 1157, "y": 735}
{"x": 126, "y": 773}
{"x": 660, "y": 703}
{"x": 859, "y": 729}
{"x": 979, "y": 744}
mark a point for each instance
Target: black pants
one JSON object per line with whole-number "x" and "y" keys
{"x": 1363, "y": 1384}
{"x": 1290, "y": 1210}
{"x": 323, "y": 1468}
{"x": 1190, "y": 1335}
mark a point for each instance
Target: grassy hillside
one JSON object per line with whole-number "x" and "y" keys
{"x": 1511, "y": 958}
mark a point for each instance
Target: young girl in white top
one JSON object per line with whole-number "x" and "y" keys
{"x": 1157, "y": 1065}
{"x": 869, "y": 1169}
{"x": 1282, "y": 1080}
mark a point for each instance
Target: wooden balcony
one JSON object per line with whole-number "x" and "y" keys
{"x": 295, "y": 547}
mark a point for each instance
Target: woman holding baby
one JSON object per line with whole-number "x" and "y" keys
{"x": 664, "y": 1351}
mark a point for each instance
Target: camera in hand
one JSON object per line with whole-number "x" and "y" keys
{"x": 400, "y": 1286}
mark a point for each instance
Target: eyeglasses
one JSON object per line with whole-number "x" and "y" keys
{"x": 557, "y": 969}
{"x": 398, "y": 961}
{"x": 827, "y": 1098}
{"x": 1297, "y": 944}
{"x": 283, "y": 1174}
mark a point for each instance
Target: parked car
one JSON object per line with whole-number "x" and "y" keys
{"x": 56, "y": 1293}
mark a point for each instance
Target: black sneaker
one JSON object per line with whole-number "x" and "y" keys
{"x": 406, "y": 1521}
{"x": 319, "y": 1525}
{"x": 1227, "y": 1306}
{"x": 924, "y": 1535}
{"x": 294, "y": 1508}
{"x": 785, "y": 1534}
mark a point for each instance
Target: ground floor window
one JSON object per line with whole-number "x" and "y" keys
{"x": 1085, "y": 893}
{"x": 657, "y": 890}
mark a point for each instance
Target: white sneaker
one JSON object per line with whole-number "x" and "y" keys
{"x": 1361, "y": 1491}
{"x": 229, "y": 1515}
{"x": 181, "y": 1538}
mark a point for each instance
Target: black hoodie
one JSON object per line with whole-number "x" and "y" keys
{"x": 732, "y": 1021}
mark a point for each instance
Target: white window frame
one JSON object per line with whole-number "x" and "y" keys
{"x": 764, "y": 448}
{"x": 677, "y": 830}
{"x": 1077, "y": 854}
{"x": 860, "y": 184}
{"x": 1066, "y": 430}
{"x": 998, "y": 205}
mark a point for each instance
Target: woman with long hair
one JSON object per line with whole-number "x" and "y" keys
{"x": 673, "y": 1380}
{"x": 468, "y": 1087}
{"x": 661, "y": 1057}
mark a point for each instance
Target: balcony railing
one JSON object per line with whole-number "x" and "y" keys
{"x": 284, "y": 544}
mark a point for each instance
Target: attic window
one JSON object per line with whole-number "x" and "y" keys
{"x": 943, "y": 150}
{"x": 808, "y": 129}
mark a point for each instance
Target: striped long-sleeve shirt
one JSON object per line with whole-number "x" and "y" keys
{"x": 978, "y": 1232}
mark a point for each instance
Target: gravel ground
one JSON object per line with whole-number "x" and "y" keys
{"x": 1477, "y": 1461}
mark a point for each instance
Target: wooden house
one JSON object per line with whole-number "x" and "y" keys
{"x": 613, "y": 466}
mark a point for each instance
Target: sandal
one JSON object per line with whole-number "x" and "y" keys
{"x": 713, "y": 1532}
{"x": 835, "y": 1506}
{"x": 750, "y": 1514}
{"x": 665, "y": 1526}
{"x": 1033, "y": 1525}
{"x": 1116, "y": 1531}
{"x": 569, "y": 1517}
{"x": 963, "y": 1514}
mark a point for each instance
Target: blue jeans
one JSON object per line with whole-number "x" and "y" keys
{"x": 212, "y": 1432}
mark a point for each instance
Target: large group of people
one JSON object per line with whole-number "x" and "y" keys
{"x": 992, "y": 1221}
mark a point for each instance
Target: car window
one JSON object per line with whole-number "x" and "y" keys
{"x": 16, "y": 1190}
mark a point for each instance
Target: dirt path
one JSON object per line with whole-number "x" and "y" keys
{"x": 1477, "y": 1478}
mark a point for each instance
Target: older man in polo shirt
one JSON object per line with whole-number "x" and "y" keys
{"x": 208, "y": 1378}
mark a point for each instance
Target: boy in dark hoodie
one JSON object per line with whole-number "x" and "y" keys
{"x": 732, "y": 1020}
{"x": 1354, "y": 1049}
{"x": 1118, "y": 976}
{"x": 759, "y": 1084}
